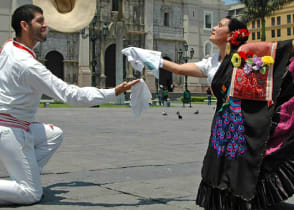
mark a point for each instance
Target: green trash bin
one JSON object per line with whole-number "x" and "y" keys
{"x": 187, "y": 98}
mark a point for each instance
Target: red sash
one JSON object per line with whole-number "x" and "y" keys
{"x": 10, "y": 121}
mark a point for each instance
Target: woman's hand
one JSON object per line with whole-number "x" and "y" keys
{"x": 125, "y": 86}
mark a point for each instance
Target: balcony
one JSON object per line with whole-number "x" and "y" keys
{"x": 168, "y": 33}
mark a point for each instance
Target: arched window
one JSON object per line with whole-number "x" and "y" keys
{"x": 207, "y": 51}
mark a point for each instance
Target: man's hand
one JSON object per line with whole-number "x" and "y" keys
{"x": 125, "y": 86}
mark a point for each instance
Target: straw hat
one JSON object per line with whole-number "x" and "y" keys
{"x": 67, "y": 15}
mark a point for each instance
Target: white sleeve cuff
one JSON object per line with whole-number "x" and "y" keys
{"x": 109, "y": 94}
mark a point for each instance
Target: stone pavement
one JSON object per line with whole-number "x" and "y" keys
{"x": 109, "y": 160}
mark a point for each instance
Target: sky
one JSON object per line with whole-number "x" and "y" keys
{"x": 227, "y": 2}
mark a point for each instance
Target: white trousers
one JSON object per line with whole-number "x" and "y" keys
{"x": 24, "y": 154}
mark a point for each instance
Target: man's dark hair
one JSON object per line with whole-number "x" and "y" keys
{"x": 24, "y": 13}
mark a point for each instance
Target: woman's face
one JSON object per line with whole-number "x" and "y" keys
{"x": 220, "y": 34}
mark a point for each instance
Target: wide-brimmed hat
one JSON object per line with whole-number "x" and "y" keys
{"x": 67, "y": 15}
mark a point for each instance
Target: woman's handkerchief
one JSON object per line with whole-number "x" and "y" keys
{"x": 140, "y": 97}
{"x": 139, "y": 57}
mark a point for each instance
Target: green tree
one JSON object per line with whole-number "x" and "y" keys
{"x": 260, "y": 9}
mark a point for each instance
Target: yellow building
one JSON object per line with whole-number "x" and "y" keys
{"x": 278, "y": 26}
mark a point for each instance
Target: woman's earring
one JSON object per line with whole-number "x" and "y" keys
{"x": 228, "y": 48}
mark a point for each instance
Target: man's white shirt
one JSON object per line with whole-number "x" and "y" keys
{"x": 23, "y": 80}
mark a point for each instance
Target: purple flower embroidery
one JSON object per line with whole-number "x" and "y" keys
{"x": 258, "y": 63}
{"x": 247, "y": 68}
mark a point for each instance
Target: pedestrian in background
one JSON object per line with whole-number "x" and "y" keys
{"x": 165, "y": 94}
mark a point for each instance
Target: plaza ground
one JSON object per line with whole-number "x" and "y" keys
{"x": 110, "y": 160}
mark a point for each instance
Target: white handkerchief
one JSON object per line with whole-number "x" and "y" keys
{"x": 140, "y": 97}
{"x": 139, "y": 57}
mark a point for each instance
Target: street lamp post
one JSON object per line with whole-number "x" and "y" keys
{"x": 93, "y": 37}
{"x": 183, "y": 56}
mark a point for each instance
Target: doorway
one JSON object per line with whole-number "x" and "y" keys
{"x": 110, "y": 66}
{"x": 54, "y": 62}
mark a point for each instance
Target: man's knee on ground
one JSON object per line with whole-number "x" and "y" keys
{"x": 58, "y": 135}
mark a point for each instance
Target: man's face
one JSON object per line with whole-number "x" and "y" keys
{"x": 38, "y": 28}
{"x": 220, "y": 33}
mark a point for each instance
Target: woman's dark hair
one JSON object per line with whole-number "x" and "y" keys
{"x": 24, "y": 13}
{"x": 235, "y": 25}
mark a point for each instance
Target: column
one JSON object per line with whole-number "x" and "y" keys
{"x": 119, "y": 59}
{"x": 102, "y": 64}
{"x": 84, "y": 78}
{"x": 148, "y": 20}
{"x": 130, "y": 75}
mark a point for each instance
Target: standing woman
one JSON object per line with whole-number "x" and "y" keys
{"x": 249, "y": 163}
{"x": 247, "y": 166}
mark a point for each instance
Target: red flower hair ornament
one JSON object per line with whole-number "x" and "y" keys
{"x": 239, "y": 36}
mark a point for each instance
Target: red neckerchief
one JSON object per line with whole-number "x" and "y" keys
{"x": 20, "y": 46}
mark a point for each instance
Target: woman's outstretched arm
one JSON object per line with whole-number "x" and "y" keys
{"x": 187, "y": 69}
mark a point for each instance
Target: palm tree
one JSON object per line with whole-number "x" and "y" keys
{"x": 260, "y": 9}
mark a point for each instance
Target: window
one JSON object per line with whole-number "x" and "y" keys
{"x": 288, "y": 19}
{"x": 231, "y": 13}
{"x": 253, "y": 35}
{"x": 115, "y": 5}
{"x": 279, "y": 20}
{"x": 207, "y": 48}
{"x": 273, "y": 34}
{"x": 208, "y": 20}
{"x": 238, "y": 11}
{"x": 258, "y": 35}
{"x": 258, "y": 23}
{"x": 288, "y": 31}
{"x": 278, "y": 32}
{"x": 166, "y": 19}
{"x": 273, "y": 21}
{"x": 253, "y": 24}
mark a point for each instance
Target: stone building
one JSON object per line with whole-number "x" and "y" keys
{"x": 163, "y": 25}
{"x": 198, "y": 20}
{"x": 236, "y": 9}
{"x": 5, "y": 19}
